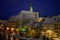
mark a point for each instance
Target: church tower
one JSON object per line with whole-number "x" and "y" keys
{"x": 37, "y": 13}
{"x": 31, "y": 9}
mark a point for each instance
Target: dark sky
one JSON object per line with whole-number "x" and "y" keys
{"x": 13, "y": 7}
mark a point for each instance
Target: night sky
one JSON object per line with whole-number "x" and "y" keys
{"x": 44, "y": 7}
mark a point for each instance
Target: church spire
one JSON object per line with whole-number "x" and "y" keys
{"x": 31, "y": 9}
{"x": 37, "y": 14}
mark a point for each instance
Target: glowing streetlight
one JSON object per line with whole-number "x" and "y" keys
{"x": 17, "y": 30}
{"x": 13, "y": 33}
{"x": 7, "y": 28}
{"x": 12, "y": 29}
{"x": 7, "y": 33}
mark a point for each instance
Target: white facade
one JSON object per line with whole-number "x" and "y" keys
{"x": 25, "y": 15}
{"x": 57, "y": 19}
{"x": 49, "y": 20}
{"x": 28, "y": 14}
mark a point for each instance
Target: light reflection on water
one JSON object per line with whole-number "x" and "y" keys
{"x": 12, "y": 37}
{"x": 7, "y": 37}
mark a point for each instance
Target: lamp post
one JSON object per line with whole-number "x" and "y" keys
{"x": 17, "y": 32}
{"x": 2, "y": 31}
{"x": 7, "y": 32}
{"x": 12, "y": 33}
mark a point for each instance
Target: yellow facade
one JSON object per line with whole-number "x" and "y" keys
{"x": 54, "y": 27}
{"x": 39, "y": 19}
{"x": 48, "y": 26}
{"x": 57, "y": 28}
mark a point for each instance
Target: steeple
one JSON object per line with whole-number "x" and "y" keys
{"x": 37, "y": 14}
{"x": 31, "y": 9}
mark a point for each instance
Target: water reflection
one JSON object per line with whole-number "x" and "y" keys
{"x": 14, "y": 38}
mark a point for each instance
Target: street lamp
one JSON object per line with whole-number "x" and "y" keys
{"x": 7, "y": 28}
{"x": 12, "y": 33}
{"x": 7, "y": 31}
{"x": 17, "y": 32}
{"x": 12, "y": 29}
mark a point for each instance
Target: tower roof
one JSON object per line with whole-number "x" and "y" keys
{"x": 30, "y": 4}
{"x": 31, "y": 8}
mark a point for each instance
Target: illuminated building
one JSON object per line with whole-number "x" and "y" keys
{"x": 30, "y": 23}
{"x": 57, "y": 27}
{"x": 48, "y": 26}
{"x": 52, "y": 23}
{"x": 49, "y": 20}
{"x": 25, "y": 15}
